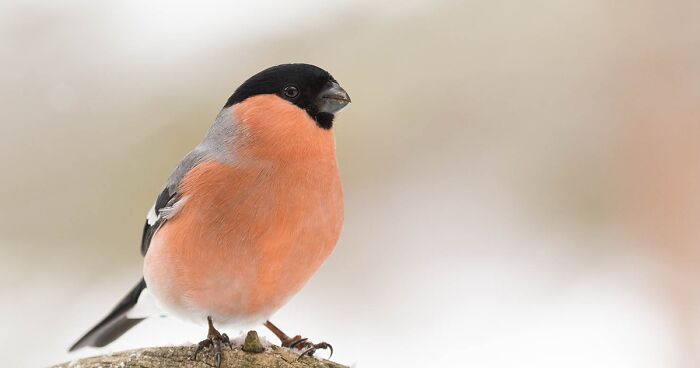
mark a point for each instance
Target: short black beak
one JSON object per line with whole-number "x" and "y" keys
{"x": 332, "y": 99}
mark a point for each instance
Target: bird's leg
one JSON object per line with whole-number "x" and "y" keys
{"x": 297, "y": 342}
{"x": 215, "y": 340}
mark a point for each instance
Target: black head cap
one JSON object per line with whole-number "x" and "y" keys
{"x": 306, "y": 86}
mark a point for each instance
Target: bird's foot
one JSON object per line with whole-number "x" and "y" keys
{"x": 214, "y": 341}
{"x": 306, "y": 347}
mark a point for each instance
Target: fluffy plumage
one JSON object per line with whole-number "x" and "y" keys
{"x": 251, "y": 213}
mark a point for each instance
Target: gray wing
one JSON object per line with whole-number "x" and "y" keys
{"x": 116, "y": 323}
{"x": 214, "y": 146}
{"x": 167, "y": 203}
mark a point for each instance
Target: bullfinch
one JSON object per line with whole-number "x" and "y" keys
{"x": 248, "y": 216}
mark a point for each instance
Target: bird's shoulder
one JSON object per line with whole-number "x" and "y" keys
{"x": 170, "y": 199}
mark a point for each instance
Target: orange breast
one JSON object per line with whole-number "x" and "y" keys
{"x": 249, "y": 236}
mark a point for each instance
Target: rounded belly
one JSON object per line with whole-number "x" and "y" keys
{"x": 239, "y": 273}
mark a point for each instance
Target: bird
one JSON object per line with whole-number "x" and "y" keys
{"x": 248, "y": 216}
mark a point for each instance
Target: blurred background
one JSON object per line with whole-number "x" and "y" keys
{"x": 522, "y": 178}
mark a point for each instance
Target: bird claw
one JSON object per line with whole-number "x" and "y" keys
{"x": 306, "y": 347}
{"x": 214, "y": 340}
{"x": 226, "y": 341}
{"x": 201, "y": 345}
{"x": 324, "y": 345}
{"x": 215, "y": 344}
{"x": 308, "y": 352}
{"x": 296, "y": 341}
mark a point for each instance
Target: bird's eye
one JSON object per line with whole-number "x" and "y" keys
{"x": 291, "y": 91}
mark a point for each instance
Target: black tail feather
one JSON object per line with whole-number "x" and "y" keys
{"x": 115, "y": 324}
